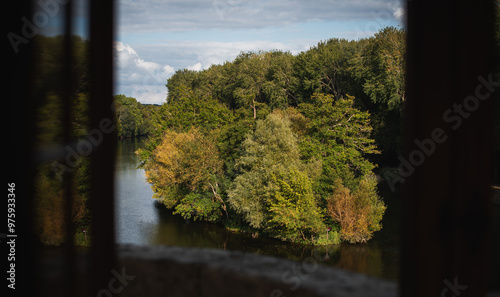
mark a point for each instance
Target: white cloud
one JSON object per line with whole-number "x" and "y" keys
{"x": 148, "y": 66}
{"x": 400, "y": 14}
{"x": 195, "y": 67}
{"x": 202, "y": 54}
{"x": 120, "y": 47}
{"x": 168, "y": 69}
{"x": 143, "y": 80}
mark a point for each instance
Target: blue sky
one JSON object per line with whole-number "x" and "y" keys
{"x": 157, "y": 37}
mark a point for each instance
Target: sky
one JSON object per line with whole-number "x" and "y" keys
{"x": 155, "y": 38}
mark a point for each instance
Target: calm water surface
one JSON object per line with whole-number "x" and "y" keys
{"x": 142, "y": 220}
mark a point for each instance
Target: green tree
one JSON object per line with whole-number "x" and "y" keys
{"x": 183, "y": 80}
{"x": 292, "y": 208}
{"x": 384, "y": 68}
{"x": 281, "y": 84}
{"x": 382, "y": 73}
{"x": 327, "y": 68}
{"x": 340, "y": 136}
{"x": 271, "y": 150}
{"x": 231, "y": 138}
{"x": 192, "y": 110}
{"x": 129, "y": 119}
{"x": 266, "y": 151}
{"x": 149, "y": 115}
{"x": 186, "y": 112}
{"x": 250, "y": 77}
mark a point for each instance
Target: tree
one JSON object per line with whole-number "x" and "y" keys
{"x": 128, "y": 116}
{"x": 183, "y": 80}
{"x": 292, "y": 208}
{"x": 384, "y": 67}
{"x": 192, "y": 110}
{"x": 382, "y": 71}
{"x": 339, "y": 135}
{"x": 250, "y": 77}
{"x": 149, "y": 115}
{"x": 185, "y": 172}
{"x": 358, "y": 212}
{"x": 231, "y": 138}
{"x": 265, "y": 152}
{"x": 327, "y": 68}
{"x": 281, "y": 84}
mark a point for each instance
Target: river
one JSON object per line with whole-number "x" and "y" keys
{"x": 142, "y": 220}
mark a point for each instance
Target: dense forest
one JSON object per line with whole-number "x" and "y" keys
{"x": 282, "y": 145}
{"x": 133, "y": 119}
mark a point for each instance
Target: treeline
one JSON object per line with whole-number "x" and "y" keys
{"x": 133, "y": 119}
{"x": 280, "y": 144}
{"x": 371, "y": 70}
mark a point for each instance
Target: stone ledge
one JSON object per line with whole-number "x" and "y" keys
{"x": 178, "y": 271}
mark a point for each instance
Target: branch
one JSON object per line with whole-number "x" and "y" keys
{"x": 218, "y": 197}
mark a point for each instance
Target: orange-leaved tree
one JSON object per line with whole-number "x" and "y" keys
{"x": 359, "y": 213}
{"x": 185, "y": 172}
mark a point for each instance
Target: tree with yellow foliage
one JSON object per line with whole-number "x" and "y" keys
{"x": 359, "y": 212}
{"x": 185, "y": 173}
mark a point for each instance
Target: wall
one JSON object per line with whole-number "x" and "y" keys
{"x": 176, "y": 271}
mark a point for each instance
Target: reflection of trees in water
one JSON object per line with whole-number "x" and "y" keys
{"x": 363, "y": 258}
{"x": 173, "y": 230}
{"x": 325, "y": 254}
{"x": 125, "y": 153}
